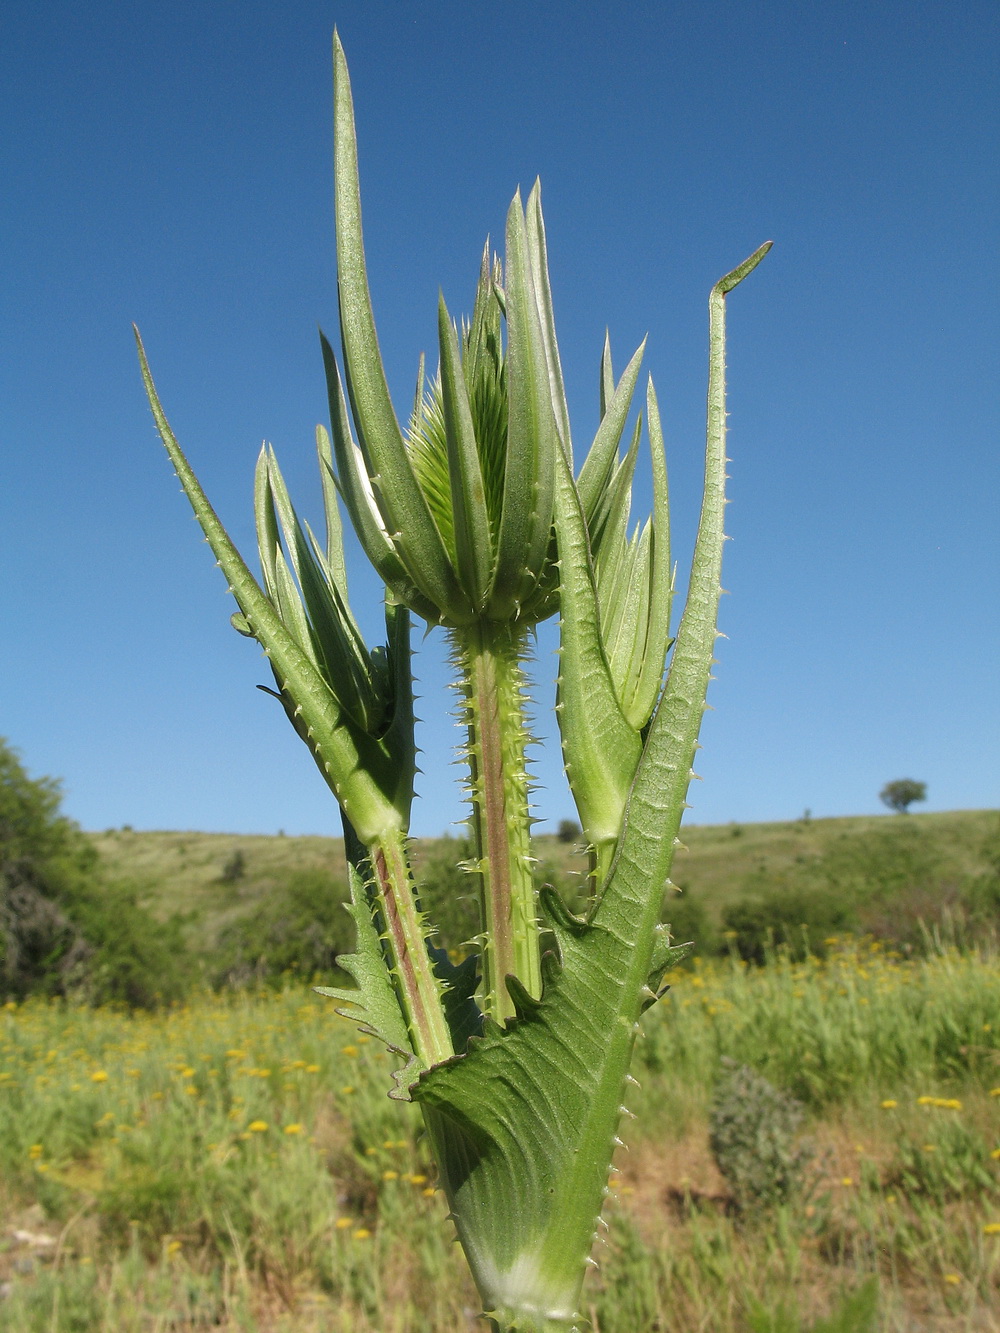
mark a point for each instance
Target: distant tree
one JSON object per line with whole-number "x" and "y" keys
{"x": 568, "y": 830}
{"x": 901, "y": 794}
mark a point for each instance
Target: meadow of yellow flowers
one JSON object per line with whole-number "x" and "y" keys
{"x": 234, "y": 1162}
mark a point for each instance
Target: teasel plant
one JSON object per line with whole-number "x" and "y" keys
{"x": 476, "y": 520}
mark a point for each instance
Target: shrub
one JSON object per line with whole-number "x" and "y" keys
{"x": 753, "y": 1129}
{"x": 568, "y": 830}
{"x": 797, "y": 919}
{"x": 689, "y": 920}
{"x": 234, "y": 869}
{"x": 134, "y": 959}
{"x": 889, "y": 882}
{"x": 301, "y": 926}
{"x": 448, "y": 892}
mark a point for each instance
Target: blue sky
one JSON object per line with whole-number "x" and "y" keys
{"x": 171, "y": 164}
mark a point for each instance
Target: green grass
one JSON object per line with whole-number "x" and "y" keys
{"x": 184, "y": 872}
{"x": 721, "y": 859}
{"x": 234, "y": 1163}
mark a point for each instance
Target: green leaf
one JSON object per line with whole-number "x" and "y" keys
{"x": 325, "y": 618}
{"x": 539, "y": 265}
{"x": 473, "y": 539}
{"x": 356, "y": 489}
{"x": 524, "y": 1124}
{"x": 373, "y": 1006}
{"x": 334, "y": 529}
{"x": 599, "y": 464}
{"x": 666, "y": 955}
{"x": 608, "y": 529}
{"x": 600, "y": 749}
{"x": 464, "y": 1017}
{"x": 400, "y": 501}
{"x": 661, "y": 582}
{"x": 607, "y": 375}
{"x": 526, "y": 521}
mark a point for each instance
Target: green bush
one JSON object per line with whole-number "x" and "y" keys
{"x": 568, "y": 831}
{"x": 688, "y": 920}
{"x": 981, "y": 895}
{"x": 234, "y": 869}
{"x": 888, "y": 882}
{"x": 799, "y": 920}
{"x": 135, "y": 959}
{"x": 753, "y": 1134}
{"x": 300, "y": 927}
{"x": 448, "y": 891}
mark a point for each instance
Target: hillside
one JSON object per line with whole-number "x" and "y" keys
{"x": 186, "y": 873}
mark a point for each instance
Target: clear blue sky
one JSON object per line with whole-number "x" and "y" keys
{"x": 171, "y": 164}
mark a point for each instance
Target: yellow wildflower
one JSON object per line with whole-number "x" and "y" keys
{"x": 99, "y": 1076}
{"x": 953, "y": 1278}
{"x": 257, "y": 1126}
{"x": 343, "y": 1223}
{"x": 293, "y": 1129}
{"x": 889, "y": 1104}
{"x": 362, "y": 1233}
{"x": 991, "y": 1229}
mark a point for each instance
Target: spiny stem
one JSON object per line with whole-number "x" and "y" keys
{"x": 405, "y": 933}
{"x": 489, "y": 656}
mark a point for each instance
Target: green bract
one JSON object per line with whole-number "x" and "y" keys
{"x": 476, "y": 520}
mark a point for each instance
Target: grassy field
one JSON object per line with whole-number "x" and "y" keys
{"x": 185, "y": 872}
{"x": 234, "y": 1163}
